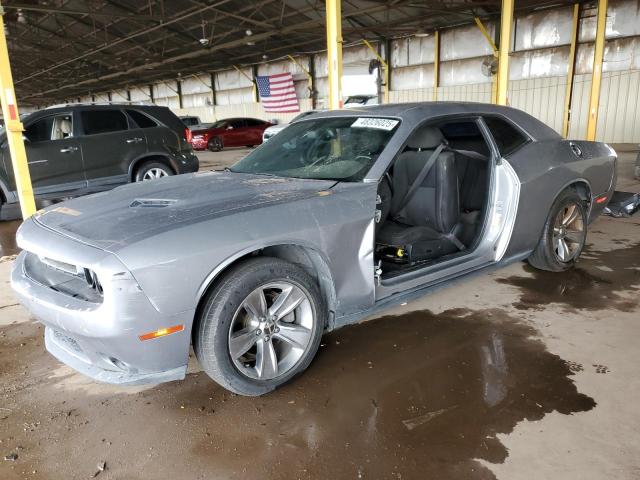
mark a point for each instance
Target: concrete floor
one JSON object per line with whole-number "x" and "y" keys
{"x": 513, "y": 374}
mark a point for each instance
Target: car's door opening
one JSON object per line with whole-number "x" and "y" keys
{"x": 432, "y": 202}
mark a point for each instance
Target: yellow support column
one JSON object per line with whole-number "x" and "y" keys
{"x": 496, "y": 53}
{"x": 334, "y": 52}
{"x": 506, "y": 21}
{"x": 386, "y": 70}
{"x": 571, "y": 70}
{"x": 306, "y": 72}
{"x": 436, "y": 64}
{"x": 596, "y": 75}
{"x": 14, "y": 130}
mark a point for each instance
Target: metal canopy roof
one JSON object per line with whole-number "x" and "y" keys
{"x": 63, "y": 49}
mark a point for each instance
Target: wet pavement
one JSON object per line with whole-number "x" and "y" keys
{"x": 417, "y": 395}
{"x": 579, "y": 289}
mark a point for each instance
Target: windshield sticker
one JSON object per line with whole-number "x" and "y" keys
{"x": 379, "y": 123}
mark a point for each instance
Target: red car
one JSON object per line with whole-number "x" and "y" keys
{"x": 232, "y": 132}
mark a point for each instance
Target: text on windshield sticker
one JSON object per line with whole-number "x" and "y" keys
{"x": 379, "y": 123}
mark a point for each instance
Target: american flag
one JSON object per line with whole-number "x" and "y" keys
{"x": 277, "y": 93}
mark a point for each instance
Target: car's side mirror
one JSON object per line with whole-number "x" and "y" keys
{"x": 230, "y": 127}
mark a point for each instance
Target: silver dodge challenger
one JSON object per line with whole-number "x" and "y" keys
{"x": 340, "y": 215}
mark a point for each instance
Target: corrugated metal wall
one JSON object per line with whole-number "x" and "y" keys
{"x": 538, "y": 73}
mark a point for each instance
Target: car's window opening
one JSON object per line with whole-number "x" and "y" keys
{"x": 53, "y": 127}
{"x": 141, "y": 120}
{"x": 445, "y": 215}
{"x": 219, "y": 124}
{"x": 337, "y": 148}
{"x": 103, "y": 121}
{"x": 508, "y": 138}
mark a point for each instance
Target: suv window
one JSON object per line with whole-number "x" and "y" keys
{"x": 54, "y": 127}
{"x": 103, "y": 121}
{"x": 508, "y": 138}
{"x": 141, "y": 120}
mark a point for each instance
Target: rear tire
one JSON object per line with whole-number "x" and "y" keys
{"x": 564, "y": 234}
{"x": 152, "y": 170}
{"x": 215, "y": 144}
{"x": 248, "y": 342}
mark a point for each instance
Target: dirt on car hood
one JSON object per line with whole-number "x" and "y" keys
{"x": 114, "y": 219}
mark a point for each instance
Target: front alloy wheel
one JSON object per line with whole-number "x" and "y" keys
{"x": 271, "y": 330}
{"x": 259, "y": 326}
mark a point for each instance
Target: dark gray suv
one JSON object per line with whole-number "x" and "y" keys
{"x": 78, "y": 149}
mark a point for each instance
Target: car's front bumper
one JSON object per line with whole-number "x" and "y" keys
{"x": 101, "y": 340}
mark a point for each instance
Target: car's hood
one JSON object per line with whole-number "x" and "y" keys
{"x": 112, "y": 220}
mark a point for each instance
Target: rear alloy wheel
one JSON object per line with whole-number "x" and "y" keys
{"x": 564, "y": 235}
{"x": 152, "y": 171}
{"x": 215, "y": 144}
{"x": 260, "y": 326}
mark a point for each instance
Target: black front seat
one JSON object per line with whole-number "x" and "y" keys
{"x": 423, "y": 226}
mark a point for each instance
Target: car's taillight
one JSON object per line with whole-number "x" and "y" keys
{"x": 187, "y": 135}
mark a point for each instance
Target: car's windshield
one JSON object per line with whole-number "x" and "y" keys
{"x": 219, "y": 124}
{"x": 336, "y": 148}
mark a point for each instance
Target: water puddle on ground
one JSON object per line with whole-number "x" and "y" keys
{"x": 597, "y": 282}
{"x": 414, "y": 396}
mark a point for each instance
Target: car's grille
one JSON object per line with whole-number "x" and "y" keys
{"x": 77, "y": 282}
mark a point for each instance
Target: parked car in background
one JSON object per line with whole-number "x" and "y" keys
{"x": 356, "y": 101}
{"x": 190, "y": 121}
{"x": 231, "y": 132}
{"x": 78, "y": 149}
{"x": 272, "y": 130}
{"x": 339, "y": 216}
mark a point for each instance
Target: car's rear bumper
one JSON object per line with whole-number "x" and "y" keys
{"x": 188, "y": 163}
{"x": 199, "y": 143}
{"x": 101, "y": 340}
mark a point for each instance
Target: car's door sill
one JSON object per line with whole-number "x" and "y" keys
{"x": 415, "y": 293}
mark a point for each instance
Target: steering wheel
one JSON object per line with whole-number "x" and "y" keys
{"x": 313, "y": 154}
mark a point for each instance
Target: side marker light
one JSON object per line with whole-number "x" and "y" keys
{"x": 161, "y": 332}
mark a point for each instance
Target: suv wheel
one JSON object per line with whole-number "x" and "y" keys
{"x": 152, "y": 171}
{"x": 260, "y": 326}
{"x": 215, "y": 144}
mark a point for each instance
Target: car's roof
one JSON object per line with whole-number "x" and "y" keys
{"x": 91, "y": 106}
{"x": 420, "y": 111}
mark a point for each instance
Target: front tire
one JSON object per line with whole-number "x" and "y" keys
{"x": 564, "y": 234}
{"x": 152, "y": 171}
{"x": 260, "y": 326}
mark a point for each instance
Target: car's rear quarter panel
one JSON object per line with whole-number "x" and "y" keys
{"x": 546, "y": 168}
